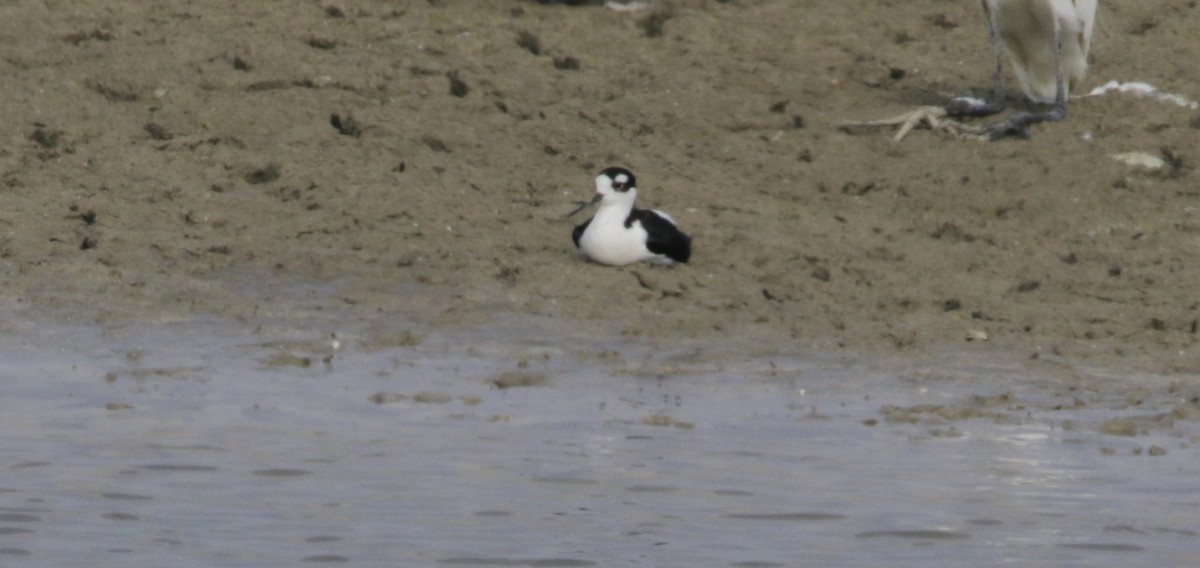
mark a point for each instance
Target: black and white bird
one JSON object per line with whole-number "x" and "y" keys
{"x": 620, "y": 233}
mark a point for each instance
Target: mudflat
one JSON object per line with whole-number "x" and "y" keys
{"x": 414, "y": 161}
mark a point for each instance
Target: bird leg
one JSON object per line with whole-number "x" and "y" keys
{"x": 976, "y": 108}
{"x": 943, "y": 118}
{"x": 946, "y": 118}
{"x": 1017, "y": 124}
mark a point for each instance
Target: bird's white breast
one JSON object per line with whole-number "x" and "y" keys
{"x": 608, "y": 241}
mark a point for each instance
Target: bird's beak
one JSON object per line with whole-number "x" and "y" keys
{"x": 585, "y": 204}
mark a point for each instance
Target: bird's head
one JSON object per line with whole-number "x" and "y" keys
{"x": 616, "y": 186}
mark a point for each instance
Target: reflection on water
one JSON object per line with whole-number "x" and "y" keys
{"x": 199, "y": 445}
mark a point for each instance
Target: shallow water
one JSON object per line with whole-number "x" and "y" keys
{"x": 204, "y": 444}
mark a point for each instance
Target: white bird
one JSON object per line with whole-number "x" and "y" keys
{"x": 1047, "y": 43}
{"x": 621, "y": 234}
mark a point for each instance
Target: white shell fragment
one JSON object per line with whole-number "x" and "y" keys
{"x": 977, "y": 335}
{"x": 626, "y": 5}
{"x": 1141, "y": 160}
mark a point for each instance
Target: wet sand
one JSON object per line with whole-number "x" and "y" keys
{"x": 410, "y": 164}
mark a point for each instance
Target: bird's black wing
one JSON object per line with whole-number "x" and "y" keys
{"x": 663, "y": 237}
{"x": 578, "y": 232}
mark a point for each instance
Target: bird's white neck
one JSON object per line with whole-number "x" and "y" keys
{"x": 617, "y": 204}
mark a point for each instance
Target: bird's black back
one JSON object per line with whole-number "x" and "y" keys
{"x": 663, "y": 237}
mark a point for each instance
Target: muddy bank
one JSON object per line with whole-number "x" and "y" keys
{"x": 415, "y": 160}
